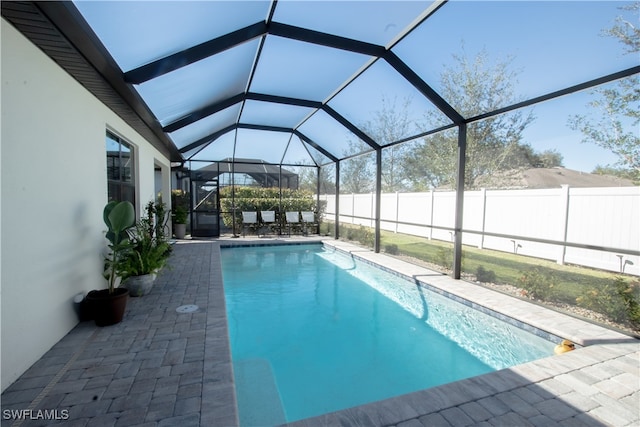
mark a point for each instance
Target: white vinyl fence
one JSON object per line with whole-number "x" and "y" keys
{"x": 538, "y": 223}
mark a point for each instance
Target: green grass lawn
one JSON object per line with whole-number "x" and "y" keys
{"x": 508, "y": 268}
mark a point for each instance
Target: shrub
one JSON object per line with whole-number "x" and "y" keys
{"x": 147, "y": 254}
{"x": 148, "y": 250}
{"x": 179, "y": 206}
{"x": 265, "y": 199}
{"x": 391, "y": 249}
{"x": 365, "y": 236}
{"x": 179, "y": 215}
{"x": 180, "y": 198}
{"x": 351, "y": 233}
{"x": 538, "y": 284}
{"x": 327, "y": 228}
{"x": 156, "y": 219}
{"x": 485, "y": 276}
{"x": 618, "y": 300}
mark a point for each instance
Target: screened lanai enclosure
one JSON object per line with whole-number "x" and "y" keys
{"x": 509, "y": 126}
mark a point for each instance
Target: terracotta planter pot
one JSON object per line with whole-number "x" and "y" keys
{"x": 107, "y": 309}
{"x": 139, "y": 285}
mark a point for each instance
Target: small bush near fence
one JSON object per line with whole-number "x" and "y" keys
{"x": 361, "y": 234}
{"x": 327, "y": 228}
{"x": 391, "y": 249}
{"x": 485, "y": 276}
{"x": 180, "y": 198}
{"x": 619, "y": 300}
{"x": 253, "y": 199}
{"x": 538, "y": 284}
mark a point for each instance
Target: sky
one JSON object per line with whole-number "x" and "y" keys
{"x": 550, "y": 45}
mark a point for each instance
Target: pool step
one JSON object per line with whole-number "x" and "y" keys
{"x": 258, "y": 397}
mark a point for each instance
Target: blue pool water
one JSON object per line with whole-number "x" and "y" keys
{"x": 313, "y": 331}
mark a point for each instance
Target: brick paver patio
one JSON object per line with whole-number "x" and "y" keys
{"x": 157, "y": 367}
{"x": 163, "y": 368}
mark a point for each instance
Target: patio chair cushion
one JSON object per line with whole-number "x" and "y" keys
{"x": 249, "y": 217}
{"x": 268, "y": 216}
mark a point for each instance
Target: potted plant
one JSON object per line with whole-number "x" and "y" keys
{"x": 146, "y": 255}
{"x": 179, "y": 222}
{"x": 107, "y": 306}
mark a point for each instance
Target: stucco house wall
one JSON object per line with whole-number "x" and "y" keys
{"x": 53, "y": 188}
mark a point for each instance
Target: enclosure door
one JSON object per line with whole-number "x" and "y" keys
{"x": 205, "y": 208}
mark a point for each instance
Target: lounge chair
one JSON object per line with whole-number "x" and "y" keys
{"x": 249, "y": 219}
{"x": 293, "y": 219}
{"x": 308, "y": 221}
{"x": 268, "y": 220}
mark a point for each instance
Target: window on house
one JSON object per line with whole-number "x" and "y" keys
{"x": 120, "y": 169}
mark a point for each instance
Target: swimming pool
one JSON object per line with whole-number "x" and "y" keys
{"x": 314, "y": 331}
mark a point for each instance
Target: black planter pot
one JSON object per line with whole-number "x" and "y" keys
{"x": 107, "y": 309}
